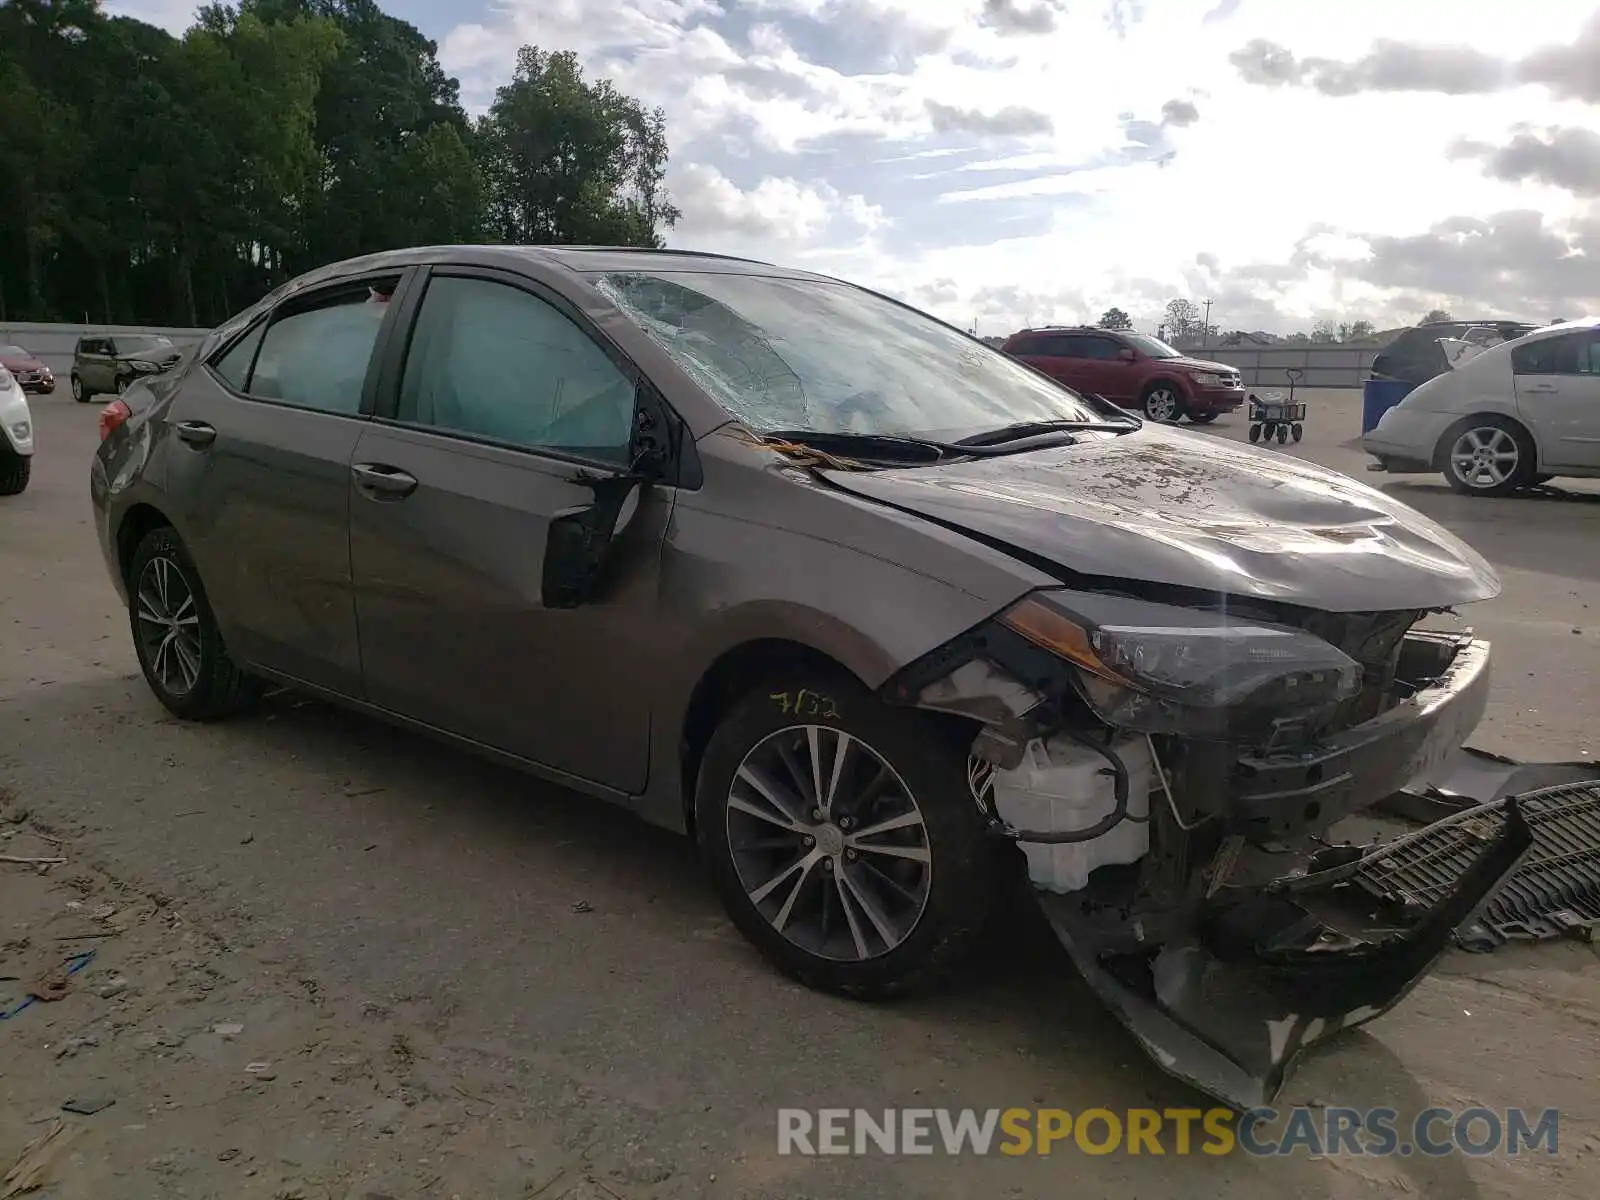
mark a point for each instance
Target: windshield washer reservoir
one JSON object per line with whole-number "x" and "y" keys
{"x": 1062, "y": 786}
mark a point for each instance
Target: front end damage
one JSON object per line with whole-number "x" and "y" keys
{"x": 1172, "y": 774}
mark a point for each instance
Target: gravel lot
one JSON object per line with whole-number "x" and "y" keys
{"x": 452, "y": 981}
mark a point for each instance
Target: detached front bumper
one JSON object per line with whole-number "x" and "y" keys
{"x": 1276, "y": 969}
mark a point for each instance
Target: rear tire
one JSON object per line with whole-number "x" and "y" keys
{"x": 176, "y": 637}
{"x": 15, "y": 470}
{"x": 871, "y": 918}
{"x": 1489, "y": 455}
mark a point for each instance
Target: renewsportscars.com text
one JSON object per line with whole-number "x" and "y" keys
{"x": 1381, "y": 1132}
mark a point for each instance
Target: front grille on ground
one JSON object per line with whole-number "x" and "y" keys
{"x": 1555, "y": 891}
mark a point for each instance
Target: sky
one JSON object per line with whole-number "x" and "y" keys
{"x": 1013, "y": 162}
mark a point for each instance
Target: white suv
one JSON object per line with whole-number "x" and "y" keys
{"x": 16, "y": 436}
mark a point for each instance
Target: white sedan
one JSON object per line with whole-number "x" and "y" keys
{"x": 1513, "y": 416}
{"x": 16, "y": 436}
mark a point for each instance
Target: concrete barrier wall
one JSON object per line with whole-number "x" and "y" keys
{"x": 53, "y": 344}
{"x": 1324, "y": 366}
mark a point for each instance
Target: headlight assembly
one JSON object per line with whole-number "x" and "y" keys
{"x": 1156, "y": 668}
{"x": 140, "y": 364}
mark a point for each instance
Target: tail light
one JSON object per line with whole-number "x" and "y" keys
{"x": 112, "y": 416}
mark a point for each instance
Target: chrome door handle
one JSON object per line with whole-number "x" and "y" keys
{"x": 196, "y": 433}
{"x": 1541, "y": 389}
{"x": 379, "y": 480}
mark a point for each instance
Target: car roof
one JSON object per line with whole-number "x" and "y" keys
{"x": 578, "y": 259}
{"x": 1546, "y": 331}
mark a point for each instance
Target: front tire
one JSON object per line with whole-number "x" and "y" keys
{"x": 176, "y": 637}
{"x": 1489, "y": 455}
{"x": 1162, "y": 403}
{"x": 80, "y": 392}
{"x": 842, "y": 836}
{"x": 15, "y": 470}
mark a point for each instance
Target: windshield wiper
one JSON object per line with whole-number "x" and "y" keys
{"x": 868, "y": 447}
{"x": 1027, "y": 429}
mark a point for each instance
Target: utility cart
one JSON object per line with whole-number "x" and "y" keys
{"x": 1274, "y": 416}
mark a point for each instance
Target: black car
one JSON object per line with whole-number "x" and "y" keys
{"x": 1416, "y": 356}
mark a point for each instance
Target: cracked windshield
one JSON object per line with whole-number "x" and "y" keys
{"x": 825, "y": 358}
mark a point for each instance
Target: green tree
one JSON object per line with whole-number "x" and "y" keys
{"x": 1115, "y": 318}
{"x": 1435, "y": 314}
{"x": 1182, "y": 322}
{"x": 567, "y": 161}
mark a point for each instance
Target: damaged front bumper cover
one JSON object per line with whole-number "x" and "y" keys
{"x": 1275, "y": 969}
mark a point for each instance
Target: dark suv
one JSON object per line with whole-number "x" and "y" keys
{"x": 1132, "y": 370}
{"x": 1416, "y": 355}
{"x": 103, "y": 362}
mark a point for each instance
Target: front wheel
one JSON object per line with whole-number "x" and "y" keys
{"x": 79, "y": 392}
{"x": 1162, "y": 403}
{"x": 176, "y": 637}
{"x": 1489, "y": 455}
{"x": 15, "y": 470}
{"x": 842, "y": 836}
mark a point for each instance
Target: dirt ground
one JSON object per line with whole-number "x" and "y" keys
{"x": 321, "y": 959}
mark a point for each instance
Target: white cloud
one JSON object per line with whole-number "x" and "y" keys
{"x": 1004, "y": 157}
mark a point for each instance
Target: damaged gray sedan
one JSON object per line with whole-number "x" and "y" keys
{"x": 881, "y": 617}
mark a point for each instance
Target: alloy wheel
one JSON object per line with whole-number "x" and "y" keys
{"x": 77, "y": 389}
{"x": 169, "y": 625}
{"x": 1485, "y": 457}
{"x": 828, "y": 843}
{"x": 1161, "y": 405}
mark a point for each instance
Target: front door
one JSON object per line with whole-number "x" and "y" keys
{"x": 1558, "y": 394}
{"x": 505, "y": 403}
{"x": 259, "y": 470}
{"x": 98, "y": 369}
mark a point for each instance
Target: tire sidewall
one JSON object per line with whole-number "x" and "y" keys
{"x": 202, "y": 698}
{"x": 962, "y": 880}
{"x": 79, "y": 392}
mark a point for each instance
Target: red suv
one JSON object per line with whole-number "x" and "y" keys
{"x": 1131, "y": 370}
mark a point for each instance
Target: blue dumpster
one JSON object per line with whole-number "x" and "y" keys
{"x": 1378, "y": 396}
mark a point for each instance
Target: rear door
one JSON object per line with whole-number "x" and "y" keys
{"x": 1558, "y": 394}
{"x": 259, "y": 469}
{"x": 97, "y": 368}
{"x": 506, "y": 401}
{"x": 1102, "y": 369}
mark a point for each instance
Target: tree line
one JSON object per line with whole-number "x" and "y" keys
{"x": 148, "y": 179}
{"x": 1183, "y": 325}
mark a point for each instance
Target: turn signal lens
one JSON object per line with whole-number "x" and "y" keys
{"x": 1055, "y": 631}
{"x": 112, "y": 416}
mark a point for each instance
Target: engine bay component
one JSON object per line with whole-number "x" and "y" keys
{"x": 1065, "y": 787}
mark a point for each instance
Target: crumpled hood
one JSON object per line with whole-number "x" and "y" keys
{"x": 1167, "y": 506}
{"x": 163, "y": 356}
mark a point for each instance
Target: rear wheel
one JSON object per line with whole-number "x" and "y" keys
{"x": 842, "y": 836}
{"x": 176, "y": 636}
{"x": 1163, "y": 403}
{"x": 1489, "y": 455}
{"x": 15, "y": 470}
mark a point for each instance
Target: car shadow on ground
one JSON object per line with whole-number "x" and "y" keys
{"x": 545, "y": 924}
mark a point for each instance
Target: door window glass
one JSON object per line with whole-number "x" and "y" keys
{"x": 490, "y": 360}
{"x": 317, "y": 357}
{"x": 1571, "y": 354}
{"x": 1099, "y": 347}
{"x": 234, "y": 366}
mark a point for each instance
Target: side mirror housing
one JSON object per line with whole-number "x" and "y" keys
{"x": 1126, "y": 354}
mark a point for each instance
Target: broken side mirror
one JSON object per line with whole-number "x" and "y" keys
{"x": 580, "y": 541}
